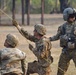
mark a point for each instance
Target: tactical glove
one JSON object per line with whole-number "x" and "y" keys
{"x": 50, "y": 38}
{"x": 71, "y": 45}
{"x": 15, "y": 23}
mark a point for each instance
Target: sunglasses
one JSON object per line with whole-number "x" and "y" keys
{"x": 72, "y": 15}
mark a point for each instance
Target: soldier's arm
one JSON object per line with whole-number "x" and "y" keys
{"x": 57, "y": 36}
{"x": 28, "y": 35}
{"x": 23, "y": 32}
{"x": 40, "y": 52}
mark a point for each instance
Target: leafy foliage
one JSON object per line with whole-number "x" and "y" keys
{"x": 49, "y": 5}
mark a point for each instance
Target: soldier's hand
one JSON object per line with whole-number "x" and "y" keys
{"x": 71, "y": 45}
{"x": 50, "y": 38}
{"x": 15, "y": 23}
{"x": 30, "y": 47}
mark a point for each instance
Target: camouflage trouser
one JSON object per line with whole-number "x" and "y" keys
{"x": 33, "y": 67}
{"x": 64, "y": 61}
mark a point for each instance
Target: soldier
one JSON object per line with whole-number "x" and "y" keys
{"x": 67, "y": 35}
{"x": 41, "y": 51}
{"x": 12, "y": 60}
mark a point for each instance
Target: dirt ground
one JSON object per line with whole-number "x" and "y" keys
{"x": 23, "y": 45}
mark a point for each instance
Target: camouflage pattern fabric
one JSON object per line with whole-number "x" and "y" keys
{"x": 67, "y": 54}
{"x": 64, "y": 61}
{"x": 40, "y": 29}
{"x": 34, "y": 67}
{"x": 12, "y": 40}
{"x": 12, "y": 60}
{"x": 41, "y": 51}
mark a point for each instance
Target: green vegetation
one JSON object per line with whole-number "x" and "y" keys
{"x": 35, "y": 5}
{"x": 49, "y": 5}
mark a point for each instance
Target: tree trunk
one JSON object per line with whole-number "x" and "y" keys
{"x": 13, "y": 9}
{"x": 26, "y": 6}
{"x": 63, "y": 5}
{"x": 23, "y": 9}
{"x": 27, "y": 10}
{"x": 42, "y": 11}
{"x": 0, "y": 13}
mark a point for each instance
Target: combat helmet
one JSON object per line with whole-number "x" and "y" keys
{"x": 40, "y": 29}
{"x": 12, "y": 40}
{"x": 67, "y": 12}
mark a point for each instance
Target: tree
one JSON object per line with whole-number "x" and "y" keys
{"x": 63, "y": 5}
{"x": 13, "y": 9}
{"x": 26, "y": 5}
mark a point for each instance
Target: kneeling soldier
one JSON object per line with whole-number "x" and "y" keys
{"x": 12, "y": 60}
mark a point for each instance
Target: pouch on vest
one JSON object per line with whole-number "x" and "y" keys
{"x": 71, "y": 45}
{"x": 63, "y": 41}
{"x": 71, "y": 42}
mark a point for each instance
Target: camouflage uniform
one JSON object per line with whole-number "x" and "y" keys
{"x": 68, "y": 42}
{"x": 41, "y": 51}
{"x": 12, "y": 60}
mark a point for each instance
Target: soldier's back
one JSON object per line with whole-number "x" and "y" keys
{"x": 11, "y": 60}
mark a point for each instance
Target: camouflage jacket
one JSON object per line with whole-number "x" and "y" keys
{"x": 42, "y": 49}
{"x": 12, "y": 60}
{"x": 65, "y": 29}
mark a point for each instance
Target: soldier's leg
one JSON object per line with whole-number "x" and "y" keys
{"x": 32, "y": 68}
{"x": 63, "y": 64}
{"x": 44, "y": 71}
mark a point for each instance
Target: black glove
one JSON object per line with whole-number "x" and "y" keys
{"x": 50, "y": 38}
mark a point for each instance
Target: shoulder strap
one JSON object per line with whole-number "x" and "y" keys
{"x": 63, "y": 29}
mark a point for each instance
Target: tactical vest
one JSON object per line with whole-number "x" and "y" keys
{"x": 67, "y": 35}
